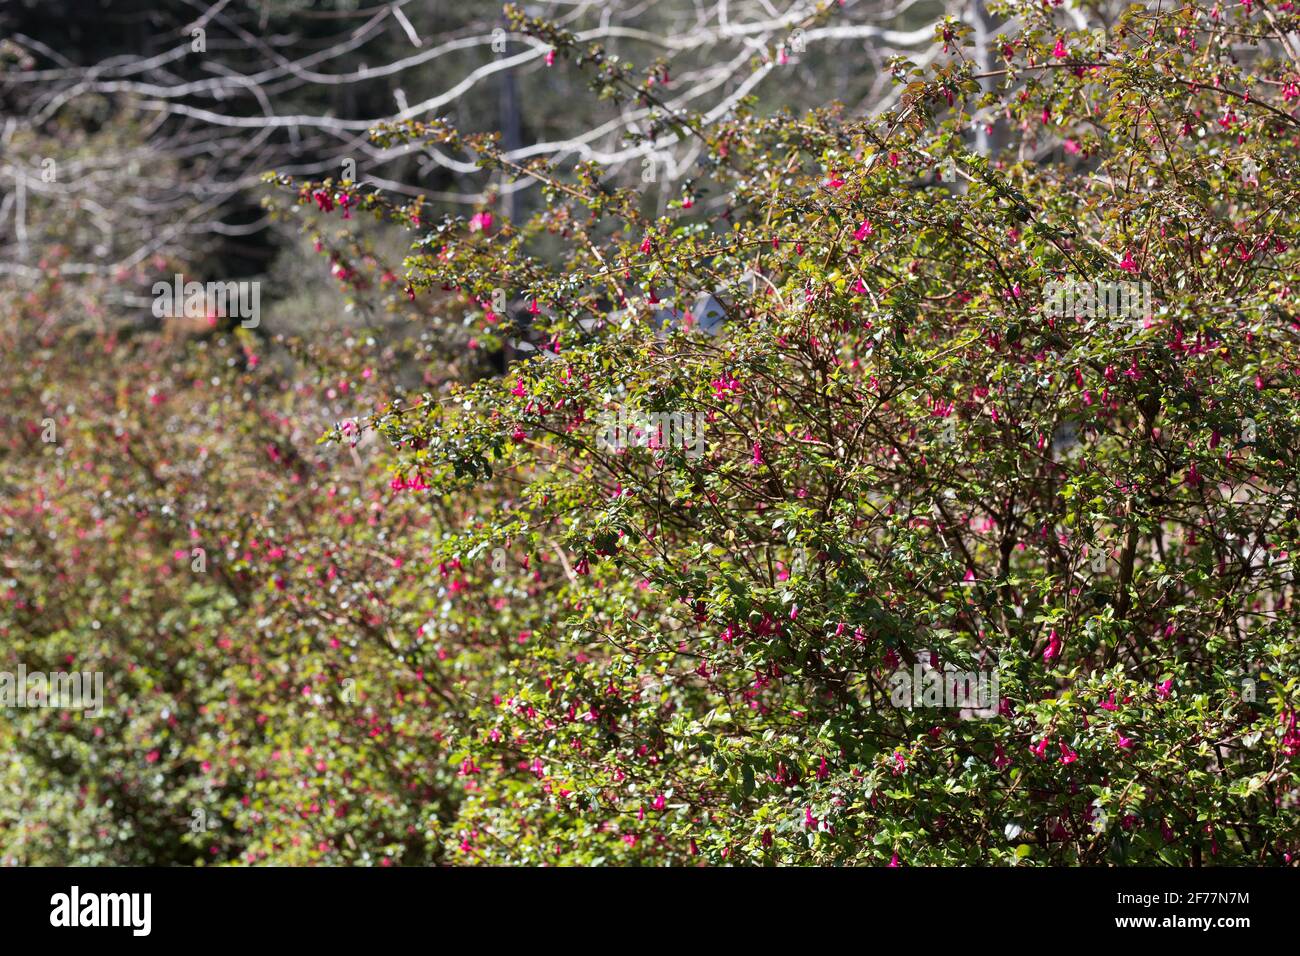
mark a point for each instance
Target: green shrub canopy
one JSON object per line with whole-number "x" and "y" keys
{"x": 661, "y": 594}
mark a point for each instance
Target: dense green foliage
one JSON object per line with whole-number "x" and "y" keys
{"x": 494, "y": 639}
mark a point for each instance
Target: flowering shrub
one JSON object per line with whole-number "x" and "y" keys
{"x": 568, "y": 650}
{"x": 171, "y": 522}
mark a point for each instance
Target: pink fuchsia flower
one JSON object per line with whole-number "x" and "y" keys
{"x": 1124, "y": 743}
{"x": 550, "y": 57}
{"x": 1053, "y": 649}
{"x": 1290, "y": 734}
{"x": 900, "y": 763}
{"x": 658, "y": 802}
{"x": 893, "y": 862}
{"x": 863, "y": 230}
{"x": 1059, "y": 51}
{"x": 481, "y": 222}
{"x": 1000, "y": 759}
{"x": 728, "y": 383}
{"x": 758, "y": 455}
{"x": 1109, "y": 703}
{"x": 834, "y": 182}
{"x": 823, "y": 770}
{"x": 1039, "y": 749}
{"x": 1067, "y": 755}
{"x": 1128, "y": 265}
